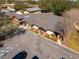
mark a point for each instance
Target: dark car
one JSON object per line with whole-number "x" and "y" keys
{"x": 62, "y": 58}
{"x": 35, "y": 57}
{"x": 20, "y": 55}
{"x": 1, "y": 45}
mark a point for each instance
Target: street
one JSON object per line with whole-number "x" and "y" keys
{"x": 33, "y": 44}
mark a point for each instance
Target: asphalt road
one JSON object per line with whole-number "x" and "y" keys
{"x": 36, "y": 45}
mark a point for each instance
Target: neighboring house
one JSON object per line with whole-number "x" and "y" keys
{"x": 33, "y": 9}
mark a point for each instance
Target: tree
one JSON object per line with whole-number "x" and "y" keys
{"x": 6, "y": 26}
{"x": 44, "y": 4}
{"x": 20, "y": 5}
{"x": 57, "y": 6}
{"x": 69, "y": 23}
{"x": 1, "y": 2}
{"x": 32, "y": 2}
{"x": 4, "y": 19}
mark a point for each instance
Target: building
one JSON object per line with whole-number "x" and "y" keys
{"x": 33, "y": 9}
{"x": 44, "y": 20}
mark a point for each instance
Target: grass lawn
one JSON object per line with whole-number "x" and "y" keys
{"x": 73, "y": 42}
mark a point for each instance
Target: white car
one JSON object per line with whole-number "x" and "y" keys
{"x": 4, "y": 11}
{"x": 10, "y": 9}
{"x": 18, "y": 12}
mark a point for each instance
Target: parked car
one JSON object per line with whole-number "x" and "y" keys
{"x": 1, "y": 45}
{"x": 20, "y": 55}
{"x": 62, "y": 58}
{"x": 10, "y": 9}
{"x": 4, "y": 11}
{"x": 18, "y": 12}
{"x": 35, "y": 57}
